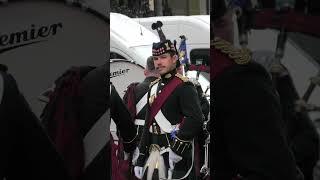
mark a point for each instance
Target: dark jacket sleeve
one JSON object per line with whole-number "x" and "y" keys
{"x": 122, "y": 118}
{"x": 191, "y": 110}
{"x": 302, "y": 134}
{"x": 193, "y": 120}
{"x": 143, "y": 147}
{"x": 31, "y": 153}
{"x": 253, "y": 126}
{"x": 145, "y": 140}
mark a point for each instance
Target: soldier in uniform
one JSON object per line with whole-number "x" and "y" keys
{"x": 173, "y": 119}
{"x": 26, "y": 151}
{"x": 248, "y": 129}
{"x": 136, "y": 96}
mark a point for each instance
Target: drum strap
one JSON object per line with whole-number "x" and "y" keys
{"x": 96, "y": 138}
{"x": 139, "y": 106}
{"x": 164, "y": 123}
{"x": 143, "y": 101}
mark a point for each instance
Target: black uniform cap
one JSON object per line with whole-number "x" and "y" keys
{"x": 162, "y": 47}
{"x": 165, "y": 45}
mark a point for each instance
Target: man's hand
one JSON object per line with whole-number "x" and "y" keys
{"x": 174, "y": 157}
{"x": 138, "y": 172}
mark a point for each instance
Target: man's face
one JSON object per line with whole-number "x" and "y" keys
{"x": 165, "y": 63}
{"x": 223, "y": 27}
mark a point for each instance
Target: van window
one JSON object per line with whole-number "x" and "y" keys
{"x": 114, "y": 55}
{"x": 200, "y": 56}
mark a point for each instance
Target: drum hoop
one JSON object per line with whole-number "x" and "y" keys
{"x": 122, "y": 60}
{"x": 73, "y": 4}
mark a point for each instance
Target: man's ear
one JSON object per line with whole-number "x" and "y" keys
{"x": 175, "y": 57}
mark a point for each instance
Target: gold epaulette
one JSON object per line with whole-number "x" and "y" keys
{"x": 183, "y": 78}
{"x": 239, "y": 56}
{"x": 154, "y": 82}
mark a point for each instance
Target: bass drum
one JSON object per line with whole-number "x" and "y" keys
{"x": 123, "y": 73}
{"x": 39, "y": 40}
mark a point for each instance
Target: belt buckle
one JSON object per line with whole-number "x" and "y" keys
{"x": 155, "y": 129}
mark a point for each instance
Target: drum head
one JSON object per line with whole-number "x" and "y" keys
{"x": 39, "y": 40}
{"x": 123, "y": 73}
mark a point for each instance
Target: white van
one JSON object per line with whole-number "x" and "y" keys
{"x": 130, "y": 46}
{"x": 129, "y": 40}
{"x": 204, "y": 18}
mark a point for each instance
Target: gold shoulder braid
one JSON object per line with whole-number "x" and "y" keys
{"x": 154, "y": 82}
{"x": 240, "y": 56}
{"x": 183, "y": 78}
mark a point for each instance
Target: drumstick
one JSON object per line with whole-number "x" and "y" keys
{"x": 313, "y": 83}
{"x": 277, "y": 68}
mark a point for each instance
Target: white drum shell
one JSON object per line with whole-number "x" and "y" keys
{"x": 80, "y": 39}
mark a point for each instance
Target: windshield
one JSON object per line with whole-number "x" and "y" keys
{"x": 131, "y": 32}
{"x": 204, "y": 18}
{"x": 143, "y": 52}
